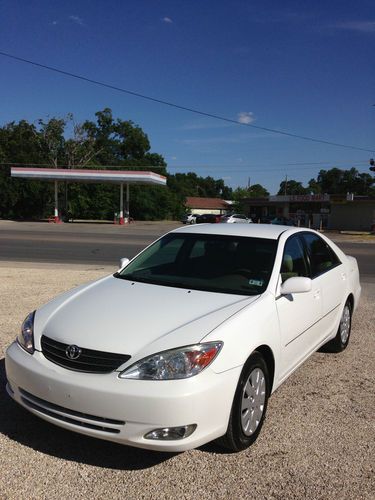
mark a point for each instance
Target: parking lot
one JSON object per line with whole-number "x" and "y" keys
{"x": 317, "y": 442}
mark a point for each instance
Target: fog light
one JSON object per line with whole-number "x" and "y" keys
{"x": 171, "y": 433}
{"x": 9, "y": 388}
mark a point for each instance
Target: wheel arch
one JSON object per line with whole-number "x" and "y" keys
{"x": 350, "y": 299}
{"x": 269, "y": 358}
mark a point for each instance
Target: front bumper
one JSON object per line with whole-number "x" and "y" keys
{"x": 121, "y": 410}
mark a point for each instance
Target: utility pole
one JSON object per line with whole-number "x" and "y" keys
{"x": 286, "y": 184}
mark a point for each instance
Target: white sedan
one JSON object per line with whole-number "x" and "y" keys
{"x": 236, "y": 219}
{"x": 187, "y": 341}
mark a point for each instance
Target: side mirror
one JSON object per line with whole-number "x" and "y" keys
{"x": 123, "y": 262}
{"x": 297, "y": 284}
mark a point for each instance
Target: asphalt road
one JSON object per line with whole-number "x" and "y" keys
{"x": 81, "y": 243}
{"x": 106, "y": 244}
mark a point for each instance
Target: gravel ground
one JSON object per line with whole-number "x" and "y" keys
{"x": 317, "y": 442}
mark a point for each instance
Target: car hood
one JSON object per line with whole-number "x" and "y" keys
{"x": 122, "y": 316}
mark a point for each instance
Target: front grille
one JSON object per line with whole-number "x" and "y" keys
{"x": 89, "y": 361}
{"x": 70, "y": 416}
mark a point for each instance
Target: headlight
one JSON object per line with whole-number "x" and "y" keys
{"x": 179, "y": 363}
{"x": 26, "y": 337}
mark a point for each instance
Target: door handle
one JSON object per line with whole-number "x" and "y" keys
{"x": 316, "y": 294}
{"x": 343, "y": 276}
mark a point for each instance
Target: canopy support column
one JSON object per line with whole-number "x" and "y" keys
{"x": 127, "y": 213}
{"x": 56, "y": 214}
{"x": 121, "y": 218}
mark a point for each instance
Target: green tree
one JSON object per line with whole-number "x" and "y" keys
{"x": 51, "y": 140}
{"x": 292, "y": 187}
{"x": 61, "y": 142}
{"x": 257, "y": 191}
{"x": 119, "y": 142}
{"x": 191, "y": 184}
{"x": 314, "y": 187}
{"x": 19, "y": 144}
{"x": 240, "y": 194}
{"x": 338, "y": 181}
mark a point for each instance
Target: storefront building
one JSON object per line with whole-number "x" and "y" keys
{"x": 199, "y": 205}
{"x": 319, "y": 211}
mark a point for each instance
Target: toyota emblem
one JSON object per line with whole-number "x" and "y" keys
{"x": 73, "y": 352}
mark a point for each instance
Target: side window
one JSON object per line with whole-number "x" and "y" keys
{"x": 322, "y": 257}
{"x": 294, "y": 261}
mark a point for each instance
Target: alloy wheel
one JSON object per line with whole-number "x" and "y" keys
{"x": 253, "y": 401}
{"x": 345, "y": 324}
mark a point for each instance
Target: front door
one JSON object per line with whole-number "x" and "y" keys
{"x": 300, "y": 313}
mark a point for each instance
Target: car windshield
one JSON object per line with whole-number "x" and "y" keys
{"x": 214, "y": 263}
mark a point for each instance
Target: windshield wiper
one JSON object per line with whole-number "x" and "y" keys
{"x": 132, "y": 277}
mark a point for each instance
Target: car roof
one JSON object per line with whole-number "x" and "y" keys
{"x": 268, "y": 231}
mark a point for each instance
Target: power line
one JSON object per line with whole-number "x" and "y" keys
{"x": 330, "y": 162}
{"x": 230, "y": 168}
{"x": 202, "y": 165}
{"x": 249, "y": 169}
{"x": 299, "y": 165}
{"x": 183, "y": 108}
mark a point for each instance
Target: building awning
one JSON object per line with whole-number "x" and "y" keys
{"x": 88, "y": 175}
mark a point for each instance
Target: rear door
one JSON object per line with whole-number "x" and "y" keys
{"x": 329, "y": 274}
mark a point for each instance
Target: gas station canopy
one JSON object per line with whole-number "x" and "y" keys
{"x": 87, "y": 175}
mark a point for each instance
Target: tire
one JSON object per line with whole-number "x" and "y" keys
{"x": 249, "y": 405}
{"x": 341, "y": 341}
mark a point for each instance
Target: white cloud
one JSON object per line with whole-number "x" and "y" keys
{"x": 361, "y": 26}
{"x": 246, "y": 117}
{"x": 167, "y": 20}
{"x": 76, "y": 20}
{"x": 54, "y": 23}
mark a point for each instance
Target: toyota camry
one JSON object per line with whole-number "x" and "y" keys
{"x": 186, "y": 342}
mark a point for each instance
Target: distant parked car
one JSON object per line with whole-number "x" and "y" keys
{"x": 208, "y": 218}
{"x": 282, "y": 221}
{"x": 189, "y": 218}
{"x": 236, "y": 219}
{"x": 266, "y": 219}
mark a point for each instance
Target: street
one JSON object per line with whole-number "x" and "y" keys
{"x": 106, "y": 244}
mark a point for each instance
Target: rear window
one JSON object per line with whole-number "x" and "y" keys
{"x": 322, "y": 257}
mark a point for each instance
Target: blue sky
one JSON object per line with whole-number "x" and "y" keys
{"x": 302, "y": 67}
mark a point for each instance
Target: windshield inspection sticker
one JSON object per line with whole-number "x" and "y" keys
{"x": 256, "y": 282}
